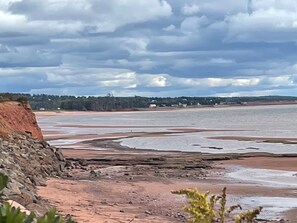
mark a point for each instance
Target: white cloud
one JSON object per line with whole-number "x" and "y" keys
{"x": 248, "y": 93}
{"x": 263, "y": 25}
{"x": 93, "y": 16}
{"x": 288, "y": 5}
{"x": 153, "y": 80}
{"x": 221, "y": 61}
{"x": 170, "y": 28}
{"x": 11, "y": 21}
{"x": 286, "y": 80}
{"x": 193, "y": 24}
{"x": 244, "y": 82}
{"x": 190, "y": 9}
{"x": 130, "y": 47}
{"x": 236, "y": 82}
{"x": 135, "y": 45}
{"x": 4, "y": 4}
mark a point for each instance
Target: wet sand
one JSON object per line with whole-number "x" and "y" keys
{"x": 258, "y": 139}
{"x": 276, "y": 163}
{"x": 114, "y": 183}
{"x": 135, "y": 186}
{"x": 125, "y": 201}
{"x": 56, "y": 135}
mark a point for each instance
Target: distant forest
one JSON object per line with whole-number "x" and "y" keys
{"x": 111, "y": 103}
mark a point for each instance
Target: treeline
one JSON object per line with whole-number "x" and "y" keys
{"x": 111, "y": 103}
{"x": 13, "y": 97}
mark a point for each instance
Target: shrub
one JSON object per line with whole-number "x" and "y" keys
{"x": 22, "y": 99}
{"x": 9, "y": 214}
{"x": 209, "y": 208}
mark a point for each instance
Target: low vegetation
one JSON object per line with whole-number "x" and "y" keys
{"x": 13, "y": 97}
{"x": 10, "y": 214}
{"x": 210, "y": 208}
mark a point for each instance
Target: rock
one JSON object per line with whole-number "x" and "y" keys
{"x": 27, "y": 162}
{"x": 39, "y": 182}
{"x": 28, "y": 198}
{"x": 95, "y": 173}
{"x": 104, "y": 202}
{"x": 44, "y": 144}
{"x": 17, "y": 205}
{"x": 59, "y": 155}
{"x": 14, "y": 187}
{"x": 82, "y": 162}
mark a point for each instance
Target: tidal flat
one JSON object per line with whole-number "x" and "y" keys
{"x": 148, "y": 154}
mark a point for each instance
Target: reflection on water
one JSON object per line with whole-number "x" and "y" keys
{"x": 263, "y": 121}
{"x": 272, "y": 206}
{"x": 264, "y": 177}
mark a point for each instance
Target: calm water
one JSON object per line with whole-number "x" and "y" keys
{"x": 264, "y": 121}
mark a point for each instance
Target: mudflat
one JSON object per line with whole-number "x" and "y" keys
{"x": 275, "y": 163}
{"x": 110, "y": 182}
{"x": 116, "y": 185}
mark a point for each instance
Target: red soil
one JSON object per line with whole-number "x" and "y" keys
{"x": 18, "y": 117}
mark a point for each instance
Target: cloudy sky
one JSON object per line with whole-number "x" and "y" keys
{"x": 149, "y": 47}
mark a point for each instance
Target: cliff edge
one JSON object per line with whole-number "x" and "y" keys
{"x": 24, "y": 157}
{"x": 18, "y": 117}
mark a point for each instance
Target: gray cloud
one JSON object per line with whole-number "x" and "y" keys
{"x": 156, "y": 47}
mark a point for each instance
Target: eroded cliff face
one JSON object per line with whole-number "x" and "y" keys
{"x": 24, "y": 157}
{"x": 16, "y": 117}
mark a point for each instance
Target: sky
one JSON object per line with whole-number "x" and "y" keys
{"x": 149, "y": 47}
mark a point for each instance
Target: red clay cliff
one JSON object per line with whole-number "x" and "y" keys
{"x": 18, "y": 117}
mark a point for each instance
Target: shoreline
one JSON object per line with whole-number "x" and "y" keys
{"x": 98, "y": 140}
{"x": 134, "y": 185}
{"x": 159, "y": 109}
{"x": 117, "y": 183}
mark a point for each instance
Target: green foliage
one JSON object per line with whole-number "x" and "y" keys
{"x": 208, "y": 208}
{"x": 248, "y": 216}
{"x": 9, "y": 214}
{"x": 6, "y": 97}
{"x": 52, "y": 217}
{"x": 112, "y": 103}
{"x": 22, "y": 99}
{"x": 3, "y": 181}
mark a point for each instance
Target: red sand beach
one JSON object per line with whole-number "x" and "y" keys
{"x": 135, "y": 185}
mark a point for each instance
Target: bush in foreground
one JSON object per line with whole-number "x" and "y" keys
{"x": 209, "y": 208}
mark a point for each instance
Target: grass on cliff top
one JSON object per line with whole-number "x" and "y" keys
{"x": 12, "y": 97}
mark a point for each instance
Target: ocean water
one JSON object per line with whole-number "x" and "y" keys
{"x": 263, "y": 121}
{"x": 260, "y": 121}
{"x": 273, "y": 207}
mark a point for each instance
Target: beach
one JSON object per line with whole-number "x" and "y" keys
{"x": 114, "y": 182}
{"x": 128, "y": 187}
